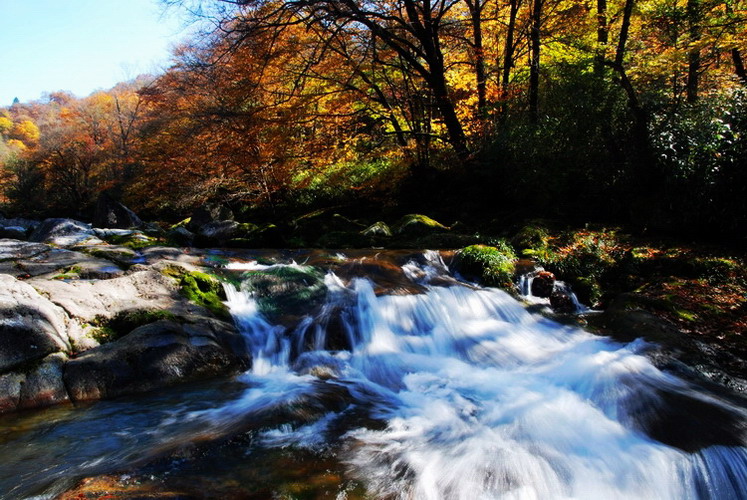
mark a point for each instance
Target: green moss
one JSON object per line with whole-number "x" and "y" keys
{"x": 134, "y": 241}
{"x": 286, "y": 290}
{"x": 183, "y": 223}
{"x": 491, "y": 265}
{"x": 206, "y": 291}
{"x": 532, "y": 240}
{"x": 417, "y": 224}
{"x": 109, "y": 330}
{"x": 70, "y": 273}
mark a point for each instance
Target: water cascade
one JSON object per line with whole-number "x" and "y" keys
{"x": 477, "y": 398}
{"x": 457, "y": 392}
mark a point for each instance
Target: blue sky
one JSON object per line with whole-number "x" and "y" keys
{"x": 80, "y": 45}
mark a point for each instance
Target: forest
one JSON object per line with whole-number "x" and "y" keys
{"x": 624, "y": 111}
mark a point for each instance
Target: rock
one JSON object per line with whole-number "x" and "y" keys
{"x": 288, "y": 292}
{"x": 155, "y": 356}
{"x": 31, "y": 327}
{"x": 181, "y": 236}
{"x": 43, "y": 386}
{"x": 88, "y": 300}
{"x": 61, "y": 264}
{"x": 17, "y": 229}
{"x": 10, "y": 391}
{"x": 110, "y": 213}
{"x": 13, "y": 232}
{"x": 417, "y": 225}
{"x": 64, "y": 232}
{"x": 216, "y": 233}
{"x": 154, "y": 255}
{"x": 378, "y": 229}
{"x": 16, "y": 250}
{"x": 562, "y": 301}
{"x": 119, "y": 255}
{"x": 490, "y": 265}
{"x": 26, "y": 224}
{"x": 543, "y": 284}
{"x": 207, "y": 214}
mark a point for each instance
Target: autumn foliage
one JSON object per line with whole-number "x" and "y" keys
{"x": 627, "y": 109}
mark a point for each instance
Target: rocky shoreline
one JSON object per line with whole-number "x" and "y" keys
{"x": 81, "y": 319}
{"x": 89, "y": 313}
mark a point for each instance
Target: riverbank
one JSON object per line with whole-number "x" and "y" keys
{"x": 95, "y": 286}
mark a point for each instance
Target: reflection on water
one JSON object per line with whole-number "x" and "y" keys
{"x": 455, "y": 392}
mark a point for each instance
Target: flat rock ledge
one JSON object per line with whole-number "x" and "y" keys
{"x": 58, "y": 341}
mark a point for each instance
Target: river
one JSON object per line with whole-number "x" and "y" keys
{"x": 430, "y": 389}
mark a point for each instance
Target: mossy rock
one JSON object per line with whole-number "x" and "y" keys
{"x": 134, "y": 241}
{"x": 109, "y": 330}
{"x": 490, "y": 265}
{"x": 201, "y": 288}
{"x": 119, "y": 255}
{"x": 380, "y": 229}
{"x": 183, "y": 223}
{"x": 717, "y": 269}
{"x": 286, "y": 291}
{"x": 69, "y": 273}
{"x": 588, "y": 290}
{"x": 206, "y": 291}
{"x": 532, "y": 240}
{"x": 417, "y": 225}
{"x": 253, "y": 236}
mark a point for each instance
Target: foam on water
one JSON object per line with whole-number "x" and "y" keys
{"x": 480, "y": 399}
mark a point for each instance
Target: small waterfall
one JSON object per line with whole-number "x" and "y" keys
{"x": 561, "y": 288}
{"x": 477, "y": 398}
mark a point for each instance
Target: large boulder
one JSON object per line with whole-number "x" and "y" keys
{"x": 217, "y": 233}
{"x": 207, "y": 214}
{"x": 31, "y": 327}
{"x": 65, "y": 264}
{"x": 88, "y": 301}
{"x": 110, "y": 213}
{"x": 16, "y": 228}
{"x": 63, "y": 232}
{"x": 154, "y": 356}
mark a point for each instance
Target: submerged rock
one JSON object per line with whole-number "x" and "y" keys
{"x": 287, "y": 292}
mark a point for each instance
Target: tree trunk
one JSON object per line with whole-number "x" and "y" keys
{"x": 739, "y": 65}
{"x": 602, "y": 37}
{"x": 536, "y": 21}
{"x": 693, "y": 54}
{"x": 475, "y": 9}
{"x": 508, "y": 57}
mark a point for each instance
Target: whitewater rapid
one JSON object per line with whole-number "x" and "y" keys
{"x": 466, "y": 395}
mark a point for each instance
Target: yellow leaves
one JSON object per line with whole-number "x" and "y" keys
{"x": 6, "y": 124}
{"x": 16, "y": 145}
{"x": 26, "y": 131}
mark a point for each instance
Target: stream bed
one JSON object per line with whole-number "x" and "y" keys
{"x": 405, "y": 384}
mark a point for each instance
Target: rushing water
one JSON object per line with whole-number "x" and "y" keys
{"x": 453, "y": 393}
